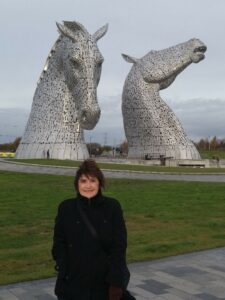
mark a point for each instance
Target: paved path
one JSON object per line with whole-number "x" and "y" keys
{"x": 56, "y": 170}
{"x": 195, "y": 276}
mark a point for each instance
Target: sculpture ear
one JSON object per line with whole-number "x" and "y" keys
{"x": 69, "y": 29}
{"x": 75, "y": 26}
{"x": 129, "y": 59}
{"x": 65, "y": 31}
{"x": 100, "y": 33}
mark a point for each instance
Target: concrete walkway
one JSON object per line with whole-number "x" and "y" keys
{"x": 69, "y": 171}
{"x": 195, "y": 276}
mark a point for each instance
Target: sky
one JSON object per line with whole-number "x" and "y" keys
{"x": 197, "y": 96}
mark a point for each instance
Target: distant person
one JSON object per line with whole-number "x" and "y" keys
{"x": 48, "y": 154}
{"x": 90, "y": 240}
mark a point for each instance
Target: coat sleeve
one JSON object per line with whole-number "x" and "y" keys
{"x": 59, "y": 242}
{"x": 118, "y": 266}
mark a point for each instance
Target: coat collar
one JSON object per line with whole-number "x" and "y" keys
{"x": 97, "y": 200}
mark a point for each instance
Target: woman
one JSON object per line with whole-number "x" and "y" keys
{"x": 90, "y": 241}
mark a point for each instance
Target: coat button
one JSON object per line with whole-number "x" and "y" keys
{"x": 70, "y": 245}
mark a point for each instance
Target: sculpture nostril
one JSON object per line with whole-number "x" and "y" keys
{"x": 89, "y": 117}
{"x": 200, "y": 49}
{"x": 83, "y": 115}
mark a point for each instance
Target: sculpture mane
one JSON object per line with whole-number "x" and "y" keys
{"x": 65, "y": 101}
{"x": 151, "y": 127}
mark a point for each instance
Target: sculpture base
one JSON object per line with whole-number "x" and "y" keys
{"x": 53, "y": 151}
{"x": 159, "y": 152}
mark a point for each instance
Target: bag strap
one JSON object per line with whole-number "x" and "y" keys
{"x": 90, "y": 227}
{"x": 88, "y": 224}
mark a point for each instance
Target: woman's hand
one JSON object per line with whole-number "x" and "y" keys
{"x": 115, "y": 293}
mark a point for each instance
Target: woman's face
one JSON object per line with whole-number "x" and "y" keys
{"x": 88, "y": 186}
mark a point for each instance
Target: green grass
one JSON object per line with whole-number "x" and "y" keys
{"x": 163, "y": 219}
{"x": 129, "y": 167}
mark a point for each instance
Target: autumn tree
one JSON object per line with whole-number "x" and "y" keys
{"x": 124, "y": 147}
{"x": 214, "y": 143}
{"x": 10, "y": 147}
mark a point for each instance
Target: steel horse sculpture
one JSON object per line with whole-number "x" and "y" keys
{"x": 65, "y": 100}
{"x": 152, "y": 129}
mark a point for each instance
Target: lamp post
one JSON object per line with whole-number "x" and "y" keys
{"x": 90, "y": 145}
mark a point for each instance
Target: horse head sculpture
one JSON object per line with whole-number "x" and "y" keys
{"x": 65, "y": 101}
{"x": 151, "y": 127}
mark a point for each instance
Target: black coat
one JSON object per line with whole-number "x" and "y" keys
{"x": 85, "y": 264}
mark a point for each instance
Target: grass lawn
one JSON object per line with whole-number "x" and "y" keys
{"x": 163, "y": 219}
{"x": 145, "y": 168}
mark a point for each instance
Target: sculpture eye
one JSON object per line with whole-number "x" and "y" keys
{"x": 99, "y": 62}
{"x": 97, "y": 71}
{"x": 99, "y": 65}
{"x": 75, "y": 63}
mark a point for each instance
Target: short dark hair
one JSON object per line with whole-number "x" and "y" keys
{"x": 89, "y": 168}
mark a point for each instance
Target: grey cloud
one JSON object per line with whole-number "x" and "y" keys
{"x": 110, "y": 124}
{"x": 12, "y": 123}
{"x": 134, "y": 29}
{"x": 201, "y": 118}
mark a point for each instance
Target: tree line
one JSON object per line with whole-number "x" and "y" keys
{"x": 210, "y": 144}
{"x": 94, "y": 149}
{"x": 97, "y": 149}
{"x": 10, "y": 147}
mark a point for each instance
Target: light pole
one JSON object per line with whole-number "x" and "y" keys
{"x": 90, "y": 144}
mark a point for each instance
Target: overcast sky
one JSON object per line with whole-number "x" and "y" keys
{"x": 28, "y": 31}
